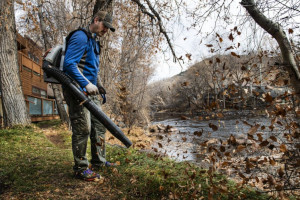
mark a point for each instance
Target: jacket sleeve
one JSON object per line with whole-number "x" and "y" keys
{"x": 76, "y": 48}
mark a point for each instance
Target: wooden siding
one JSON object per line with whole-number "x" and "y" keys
{"x": 43, "y": 118}
{"x": 31, "y": 75}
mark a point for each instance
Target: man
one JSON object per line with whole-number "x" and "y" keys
{"x": 82, "y": 64}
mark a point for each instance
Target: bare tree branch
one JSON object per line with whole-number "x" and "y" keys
{"x": 155, "y": 16}
{"x": 291, "y": 8}
{"x": 276, "y": 31}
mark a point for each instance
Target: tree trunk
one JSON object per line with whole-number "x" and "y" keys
{"x": 277, "y": 32}
{"x": 60, "y": 104}
{"x": 56, "y": 88}
{"x": 13, "y": 102}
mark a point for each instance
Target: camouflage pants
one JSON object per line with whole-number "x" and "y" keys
{"x": 85, "y": 125}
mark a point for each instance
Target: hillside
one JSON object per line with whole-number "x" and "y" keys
{"x": 219, "y": 82}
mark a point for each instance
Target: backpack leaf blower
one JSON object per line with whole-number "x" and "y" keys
{"x": 69, "y": 83}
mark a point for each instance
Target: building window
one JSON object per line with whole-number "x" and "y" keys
{"x": 47, "y": 107}
{"x": 39, "y": 92}
{"x": 36, "y": 73}
{"x": 35, "y": 106}
{"x": 43, "y": 93}
{"x": 30, "y": 55}
{"x": 33, "y": 57}
{"x": 36, "y": 91}
{"x": 26, "y": 68}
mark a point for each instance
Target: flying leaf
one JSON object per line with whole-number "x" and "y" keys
{"x": 268, "y": 98}
{"x": 291, "y": 31}
{"x": 253, "y": 129}
{"x": 231, "y": 37}
{"x": 272, "y": 162}
{"x": 249, "y": 165}
{"x": 224, "y": 164}
{"x": 160, "y": 137}
{"x": 232, "y": 140}
{"x": 188, "y": 56}
{"x": 228, "y": 48}
{"x": 283, "y": 148}
{"x": 213, "y": 127}
{"x": 198, "y": 133}
{"x": 209, "y": 45}
{"x": 273, "y": 138}
{"x": 280, "y": 172}
{"x": 185, "y": 83}
{"x": 260, "y": 138}
{"x": 250, "y": 137}
{"x": 243, "y": 68}
{"x": 222, "y": 148}
{"x": 241, "y": 148}
{"x": 227, "y": 154}
{"x": 271, "y": 180}
{"x": 246, "y": 123}
{"x": 234, "y": 54}
{"x": 271, "y": 146}
{"x": 160, "y": 145}
{"x": 264, "y": 143}
{"x": 242, "y": 175}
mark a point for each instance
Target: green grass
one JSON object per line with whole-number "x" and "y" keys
{"x": 31, "y": 167}
{"x": 28, "y": 161}
{"x": 147, "y": 175}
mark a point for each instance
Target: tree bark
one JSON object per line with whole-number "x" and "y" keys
{"x": 276, "y": 31}
{"x": 60, "y": 104}
{"x": 56, "y": 88}
{"x": 13, "y": 102}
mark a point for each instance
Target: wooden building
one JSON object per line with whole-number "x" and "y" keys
{"x": 39, "y": 97}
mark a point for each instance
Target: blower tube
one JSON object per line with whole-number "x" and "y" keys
{"x": 89, "y": 104}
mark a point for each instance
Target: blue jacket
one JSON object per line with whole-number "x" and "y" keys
{"x": 82, "y": 58}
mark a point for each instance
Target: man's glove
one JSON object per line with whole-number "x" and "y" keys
{"x": 91, "y": 89}
{"x": 101, "y": 90}
{"x": 102, "y": 93}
